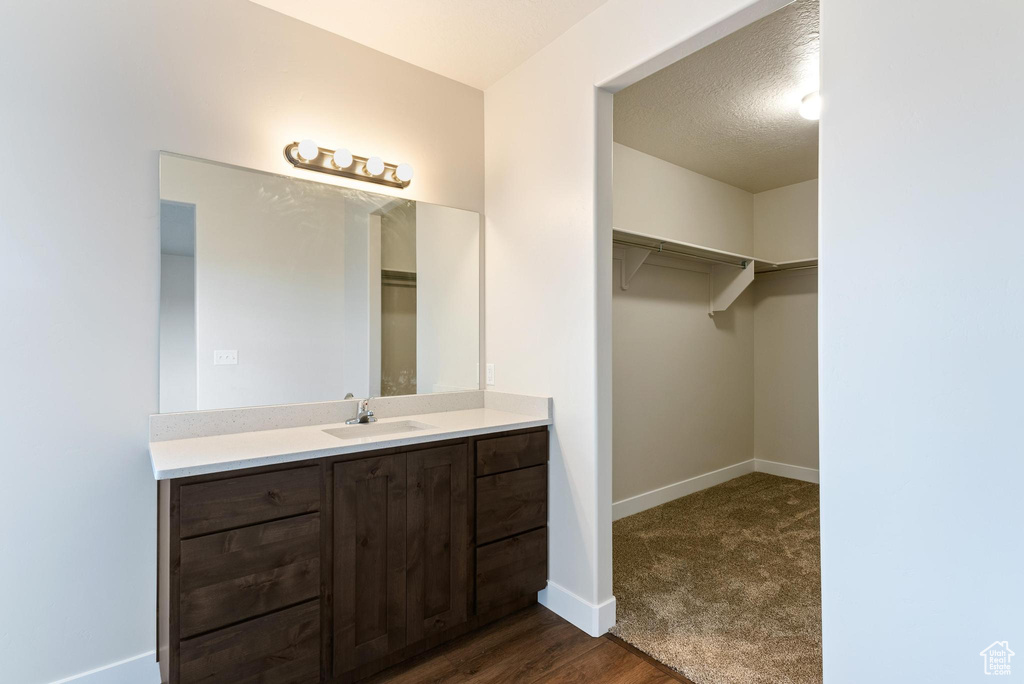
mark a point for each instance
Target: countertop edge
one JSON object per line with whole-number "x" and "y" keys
{"x": 313, "y": 454}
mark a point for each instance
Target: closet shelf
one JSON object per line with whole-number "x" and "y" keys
{"x": 776, "y": 267}
{"x": 729, "y": 273}
{"x": 675, "y": 248}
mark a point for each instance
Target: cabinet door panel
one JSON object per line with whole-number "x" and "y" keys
{"x": 369, "y": 560}
{"x": 438, "y": 538}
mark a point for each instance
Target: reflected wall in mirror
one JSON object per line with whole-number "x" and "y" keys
{"x": 276, "y": 290}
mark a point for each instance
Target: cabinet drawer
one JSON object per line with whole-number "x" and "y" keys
{"x": 235, "y": 575}
{"x": 280, "y": 648}
{"x": 223, "y": 504}
{"x": 511, "y": 569}
{"x": 512, "y": 452}
{"x": 511, "y": 503}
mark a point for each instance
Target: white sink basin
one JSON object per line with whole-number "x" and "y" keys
{"x": 363, "y": 430}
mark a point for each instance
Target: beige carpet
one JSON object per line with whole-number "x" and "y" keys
{"x": 725, "y": 585}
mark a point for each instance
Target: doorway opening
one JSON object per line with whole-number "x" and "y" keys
{"x": 715, "y": 535}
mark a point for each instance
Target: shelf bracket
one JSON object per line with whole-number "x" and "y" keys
{"x": 631, "y": 263}
{"x": 727, "y": 283}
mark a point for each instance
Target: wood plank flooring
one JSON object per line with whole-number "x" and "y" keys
{"x": 533, "y": 645}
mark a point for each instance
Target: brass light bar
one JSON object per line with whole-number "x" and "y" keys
{"x": 391, "y": 174}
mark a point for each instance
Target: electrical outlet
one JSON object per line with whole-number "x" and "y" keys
{"x": 225, "y": 357}
{"x": 490, "y": 374}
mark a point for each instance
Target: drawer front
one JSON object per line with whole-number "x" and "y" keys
{"x": 510, "y": 453}
{"x": 511, "y": 503}
{"x": 511, "y": 569}
{"x": 247, "y": 500}
{"x": 280, "y": 648}
{"x": 235, "y": 575}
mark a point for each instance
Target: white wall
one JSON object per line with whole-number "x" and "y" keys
{"x": 786, "y": 222}
{"x": 741, "y": 386}
{"x": 684, "y": 382}
{"x": 447, "y": 299}
{"x": 921, "y": 337}
{"x": 786, "y": 368}
{"x": 548, "y": 244}
{"x": 101, "y": 86}
{"x": 786, "y": 328}
{"x": 177, "y": 333}
{"x": 656, "y": 197}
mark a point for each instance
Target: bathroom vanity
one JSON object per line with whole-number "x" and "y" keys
{"x": 331, "y": 569}
{"x": 294, "y": 548}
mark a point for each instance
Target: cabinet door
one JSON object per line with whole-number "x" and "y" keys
{"x": 369, "y": 560}
{"x": 438, "y": 539}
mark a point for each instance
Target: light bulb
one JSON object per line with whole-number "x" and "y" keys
{"x": 810, "y": 106}
{"x": 403, "y": 173}
{"x": 308, "y": 150}
{"x": 374, "y": 166}
{"x": 342, "y": 158}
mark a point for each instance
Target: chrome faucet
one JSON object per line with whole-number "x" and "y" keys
{"x": 365, "y": 415}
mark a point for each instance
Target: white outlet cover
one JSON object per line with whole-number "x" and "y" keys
{"x": 490, "y": 374}
{"x": 225, "y": 357}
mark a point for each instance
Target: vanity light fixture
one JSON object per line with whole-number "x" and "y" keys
{"x": 403, "y": 174}
{"x": 342, "y": 159}
{"x": 308, "y": 155}
{"x": 307, "y": 150}
{"x": 374, "y": 166}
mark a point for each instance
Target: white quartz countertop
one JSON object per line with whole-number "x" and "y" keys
{"x": 176, "y": 458}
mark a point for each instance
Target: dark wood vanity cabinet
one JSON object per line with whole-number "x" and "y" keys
{"x": 331, "y": 570}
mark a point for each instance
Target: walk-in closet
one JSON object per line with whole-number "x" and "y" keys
{"x": 714, "y": 323}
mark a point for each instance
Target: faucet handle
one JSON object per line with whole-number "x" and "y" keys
{"x": 365, "y": 405}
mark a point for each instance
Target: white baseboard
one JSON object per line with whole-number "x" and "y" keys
{"x": 141, "y": 669}
{"x": 786, "y": 470}
{"x": 595, "y": 620}
{"x": 656, "y": 497}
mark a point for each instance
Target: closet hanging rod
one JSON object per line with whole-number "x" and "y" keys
{"x": 786, "y": 269}
{"x": 661, "y": 249}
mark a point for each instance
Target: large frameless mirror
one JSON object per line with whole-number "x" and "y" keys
{"x": 277, "y": 290}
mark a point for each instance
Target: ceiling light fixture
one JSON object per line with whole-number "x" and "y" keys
{"x": 308, "y": 155}
{"x": 810, "y": 106}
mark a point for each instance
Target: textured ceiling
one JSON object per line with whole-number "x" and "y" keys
{"x": 475, "y": 42}
{"x": 729, "y": 111}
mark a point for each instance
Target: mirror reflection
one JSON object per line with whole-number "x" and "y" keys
{"x": 277, "y": 290}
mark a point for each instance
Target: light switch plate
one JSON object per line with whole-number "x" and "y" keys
{"x": 490, "y": 374}
{"x": 225, "y": 357}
